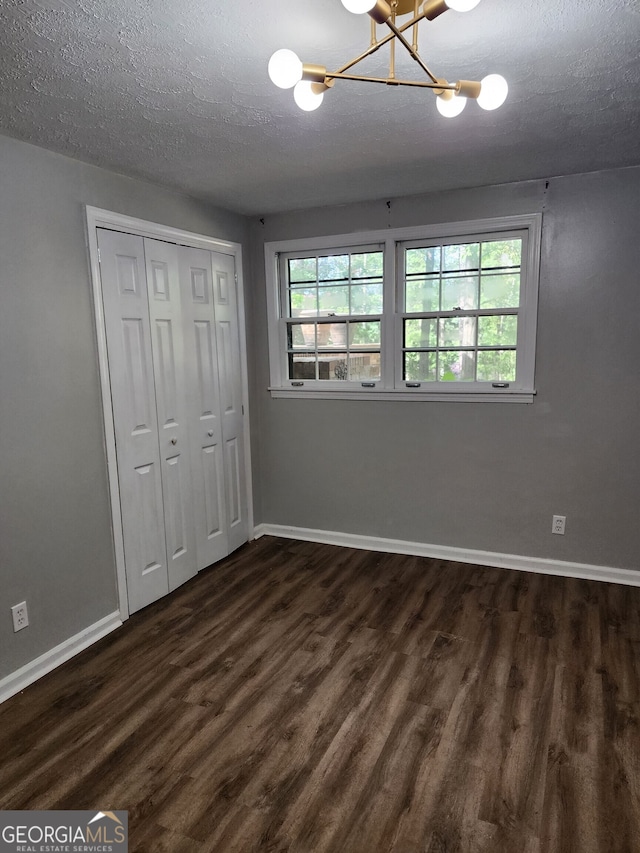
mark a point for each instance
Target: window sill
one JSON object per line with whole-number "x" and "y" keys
{"x": 402, "y": 395}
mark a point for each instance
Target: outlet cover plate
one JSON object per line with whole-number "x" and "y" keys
{"x": 558, "y": 524}
{"x": 20, "y": 616}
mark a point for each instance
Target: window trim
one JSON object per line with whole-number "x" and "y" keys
{"x": 282, "y": 387}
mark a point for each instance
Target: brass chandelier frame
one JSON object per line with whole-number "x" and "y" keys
{"x": 385, "y": 13}
{"x": 310, "y": 82}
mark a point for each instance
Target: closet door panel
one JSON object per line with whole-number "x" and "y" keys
{"x": 145, "y": 531}
{"x": 177, "y": 530}
{"x": 230, "y": 366}
{"x": 165, "y": 310}
{"x": 233, "y": 482}
{"x": 203, "y": 403}
{"x": 213, "y": 478}
{"x": 131, "y": 374}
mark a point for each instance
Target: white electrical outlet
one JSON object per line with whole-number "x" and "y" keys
{"x": 20, "y": 616}
{"x": 558, "y": 524}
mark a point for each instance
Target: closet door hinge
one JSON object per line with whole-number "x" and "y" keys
{"x": 99, "y": 258}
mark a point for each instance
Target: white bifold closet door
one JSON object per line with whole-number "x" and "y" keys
{"x": 214, "y": 402}
{"x": 174, "y": 367}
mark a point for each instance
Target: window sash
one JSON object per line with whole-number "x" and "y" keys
{"x": 443, "y": 350}
{"x": 334, "y": 349}
{"x": 323, "y": 284}
{"x": 319, "y": 362}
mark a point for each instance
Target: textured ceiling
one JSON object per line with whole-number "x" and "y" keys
{"x": 178, "y": 94}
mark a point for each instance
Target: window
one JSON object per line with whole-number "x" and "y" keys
{"x": 433, "y": 313}
{"x": 333, "y": 311}
{"x": 460, "y": 313}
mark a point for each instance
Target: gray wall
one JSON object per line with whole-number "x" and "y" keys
{"x": 55, "y": 541}
{"x": 476, "y": 475}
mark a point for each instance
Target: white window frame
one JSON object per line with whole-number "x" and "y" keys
{"x": 392, "y": 386}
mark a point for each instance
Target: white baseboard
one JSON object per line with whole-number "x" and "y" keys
{"x": 35, "y": 669}
{"x": 458, "y": 555}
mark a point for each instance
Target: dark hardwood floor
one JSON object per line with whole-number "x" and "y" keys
{"x": 307, "y": 698}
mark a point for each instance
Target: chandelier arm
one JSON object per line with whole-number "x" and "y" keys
{"x": 414, "y": 44}
{"x": 398, "y": 34}
{"x": 392, "y": 81}
{"x": 392, "y": 58}
{"x": 378, "y": 44}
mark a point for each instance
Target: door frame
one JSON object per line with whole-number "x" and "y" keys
{"x": 98, "y": 218}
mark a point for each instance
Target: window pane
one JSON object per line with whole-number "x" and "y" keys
{"x": 456, "y": 366}
{"x": 497, "y": 331}
{"x": 302, "y": 336}
{"x": 458, "y": 332}
{"x": 422, "y": 260}
{"x": 302, "y": 269}
{"x": 500, "y": 291}
{"x": 366, "y": 298}
{"x": 496, "y": 366}
{"x": 364, "y": 334}
{"x": 303, "y": 302}
{"x": 364, "y": 366}
{"x": 333, "y": 300}
{"x": 459, "y": 292}
{"x": 333, "y": 268}
{"x": 420, "y": 366}
{"x": 367, "y": 265}
{"x": 501, "y": 253}
{"x": 464, "y": 256}
{"x": 302, "y": 365}
{"x": 332, "y": 335}
{"x": 422, "y": 294}
{"x": 421, "y": 333}
{"x": 332, "y": 366}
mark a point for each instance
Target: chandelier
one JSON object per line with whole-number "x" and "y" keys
{"x": 310, "y": 82}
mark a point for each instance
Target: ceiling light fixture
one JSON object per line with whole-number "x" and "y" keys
{"x": 310, "y": 82}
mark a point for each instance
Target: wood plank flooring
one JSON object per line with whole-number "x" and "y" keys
{"x": 309, "y": 698}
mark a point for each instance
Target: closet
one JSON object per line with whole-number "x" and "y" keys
{"x": 174, "y": 364}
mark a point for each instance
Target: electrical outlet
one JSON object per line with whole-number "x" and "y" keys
{"x": 20, "y": 616}
{"x": 558, "y": 524}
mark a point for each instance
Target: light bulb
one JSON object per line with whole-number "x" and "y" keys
{"x": 451, "y": 107}
{"x": 285, "y": 69}
{"x": 461, "y": 5}
{"x": 493, "y": 92}
{"x": 305, "y": 97}
{"x": 358, "y": 7}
